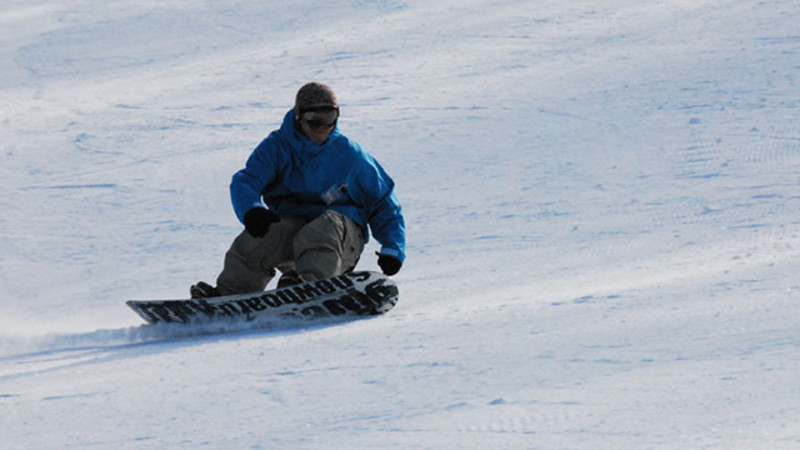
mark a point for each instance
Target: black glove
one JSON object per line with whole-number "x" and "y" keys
{"x": 257, "y": 221}
{"x": 389, "y": 264}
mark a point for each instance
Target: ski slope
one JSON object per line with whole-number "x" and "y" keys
{"x": 602, "y": 201}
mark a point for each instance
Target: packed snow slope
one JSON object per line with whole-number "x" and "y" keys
{"x": 602, "y": 201}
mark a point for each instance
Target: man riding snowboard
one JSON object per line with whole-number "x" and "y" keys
{"x": 307, "y": 197}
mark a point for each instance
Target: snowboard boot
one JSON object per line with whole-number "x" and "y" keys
{"x": 289, "y": 278}
{"x": 203, "y": 290}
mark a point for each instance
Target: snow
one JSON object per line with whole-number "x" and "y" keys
{"x": 601, "y": 200}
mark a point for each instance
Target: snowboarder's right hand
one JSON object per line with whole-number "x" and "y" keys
{"x": 258, "y": 220}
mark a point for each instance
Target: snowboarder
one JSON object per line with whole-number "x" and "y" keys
{"x": 307, "y": 197}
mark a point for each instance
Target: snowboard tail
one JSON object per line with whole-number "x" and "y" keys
{"x": 352, "y": 294}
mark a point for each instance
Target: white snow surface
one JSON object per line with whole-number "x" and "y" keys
{"x": 602, "y": 203}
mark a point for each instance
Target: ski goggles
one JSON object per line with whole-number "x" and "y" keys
{"x": 320, "y": 116}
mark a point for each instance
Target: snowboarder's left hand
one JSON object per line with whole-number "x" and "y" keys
{"x": 389, "y": 264}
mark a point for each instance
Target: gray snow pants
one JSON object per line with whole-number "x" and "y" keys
{"x": 329, "y": 245}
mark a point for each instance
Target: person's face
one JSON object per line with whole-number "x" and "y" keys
{"x": 318, "y": 133}
{"x": 318, "y": 122}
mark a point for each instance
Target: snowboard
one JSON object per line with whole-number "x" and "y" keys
{"x": 361, "y": 293}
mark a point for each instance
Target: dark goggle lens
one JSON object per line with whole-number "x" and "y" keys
{"x": 323, "y": 117}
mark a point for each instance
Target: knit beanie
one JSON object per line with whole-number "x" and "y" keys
{"x": 314, "y": 94}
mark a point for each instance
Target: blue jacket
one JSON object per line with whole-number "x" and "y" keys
{"x": 293, "y": 176}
